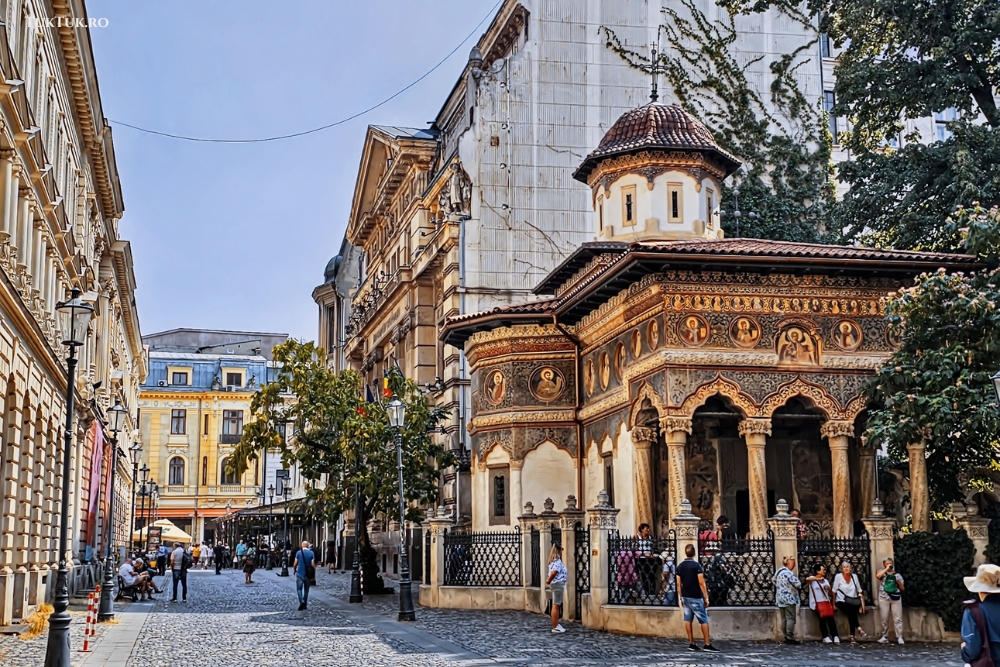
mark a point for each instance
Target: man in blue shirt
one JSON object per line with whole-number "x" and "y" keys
{"x": 305, "y": 573}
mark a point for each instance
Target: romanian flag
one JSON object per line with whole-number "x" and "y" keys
{"x": 386, "y": 392}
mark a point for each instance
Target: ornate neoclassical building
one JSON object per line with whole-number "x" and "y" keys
{"x": 669, "y": 362}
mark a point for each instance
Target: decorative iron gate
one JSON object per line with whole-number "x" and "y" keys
{"x": 556, "y": 535}
{"x": 582, "y": 566}
{"x": 739, "y": 572}
{"x": 642, "y": 570}
{"x": 536, "y": 547}
{"x": 427, "y": 557}
{"x": 482, "y": 559}
{"x": 831, "y": 552}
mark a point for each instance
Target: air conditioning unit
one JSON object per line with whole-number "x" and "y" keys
{"x": 232, "y": 387}
{"x": 161, "y": 383}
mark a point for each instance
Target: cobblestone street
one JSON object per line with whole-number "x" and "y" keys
{"x": 229, "y": 623}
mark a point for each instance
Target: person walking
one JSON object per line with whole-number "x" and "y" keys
{"x": 331, "y": 556}
{"x": 249, "y": 562}
{"x": 196, "y": 553}
{"x": 890, "y": 600}
{"x": 180, "y": 561}
{"x": 981, "y": 618}
{"x": 241, "y": 549}
{"x": 208, "y": 554}
{"x": 850, "y": 599}
{"x": 557, "y": 584}
{"x": 821, "y": 602}
{"x": 786, "y": 596}
{"x": 219, "y": 555}
{"x": 305, "y": 573}
{"x": 161, "y": 559}
{"x": 694, "y": 598}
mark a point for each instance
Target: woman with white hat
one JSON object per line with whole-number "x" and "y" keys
{"x": 981, "y": 619}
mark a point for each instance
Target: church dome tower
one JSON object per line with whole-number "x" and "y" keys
{"x": 657, "y": 175}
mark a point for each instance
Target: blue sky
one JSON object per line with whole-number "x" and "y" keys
{"x": 236, "y": 236}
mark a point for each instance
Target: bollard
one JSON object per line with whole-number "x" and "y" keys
{"x": 90, "y": 629}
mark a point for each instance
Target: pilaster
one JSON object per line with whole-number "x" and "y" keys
{"x": 783, "y": 525}
{"x": 643, "y": 438}
{"x": 676, "y": 430}
{"x": 569, "y": 518}
{"x": 838, "y": 434}
{"x": 686, "y": 529}
{"x": 429, "y": 592}
{"x": 755, "y": 432}
{"x": 603, "y": 519}
{"x": 881, "y": 533}
{"x": 527, "y": 521}
{"x": 977, "y": 528}
{"x": 919, "y": 497}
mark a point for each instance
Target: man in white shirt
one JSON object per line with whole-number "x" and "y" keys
{"x": 179, "y": 564}
{"x": 131, "y": 578}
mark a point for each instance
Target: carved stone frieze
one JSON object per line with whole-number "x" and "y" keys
{"x": 835, "y": 428}
{"x": 755, "y": 427}
{"x": 673, "y": 424}
{"x": 646, "y": 393}
{"x": 759, "y": 384}
{"x": 614, "y": 398}
{"x": 607, "y": 427}
{"x": 564, "y": 438}
{"x": 522, "y": 417}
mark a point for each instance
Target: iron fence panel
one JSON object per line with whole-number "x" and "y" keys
{"x": 536, "y": 547}
{"x": 427, "y": 558}
{"x": 739, "y": 572}
{"x": 831, "y": 552}
{"x": 482, "y": 559}
{"x": 556, "y": 534}
{"x": 642, "y": 570}
{"x": 581, "y": 561}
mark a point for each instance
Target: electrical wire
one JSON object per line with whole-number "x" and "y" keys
{"x": 322, "y": 127}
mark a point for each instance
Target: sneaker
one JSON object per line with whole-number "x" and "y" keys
{"x": 693, "y": 647}
{"x": 900, "y": 641}
{"x": 827, "y": 640}
{"x": 836, "y": 640}
{"x": 712, "y": 649}
{"x": 792, "y": 642}
{"x": 174, "y": 600}
{"x": 184, "y": 600}
{"x": 883, "y": 640}
{"x": 301, "y": 606}
{"x": 558, "y": 629}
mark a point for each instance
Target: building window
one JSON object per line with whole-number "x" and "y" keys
{"x": 829, "y": 101}
{"x": 228, "y": 478}
{"x": 941, "y": 120}
{"x": 824, "y": 45}
{"x": 674, "y": 203}
{"x": 628, "y": 206}
{"x": 176, "y": 477}
{"x": 232, "y": 422}
{"x": 709, "y": 208}
{"x": 234, "y": 379}
{"x": 600, "y": 213}
{"x": 206, "y": 425}
{"x": 499, "y": 495}
{"x": 179, "y": 378}
{"x": 204, "y": 470}
{"x": 178, "y": 422}
{"x": 609, "y": 478}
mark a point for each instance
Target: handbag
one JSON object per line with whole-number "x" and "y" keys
{"x": 985, "y": 658}
{"x": 824, "y": 607}
{"x": 310, "y": 568}
{"x": 854, "y": 601}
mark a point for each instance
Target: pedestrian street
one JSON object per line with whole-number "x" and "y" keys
{"x": 227, "y": 623}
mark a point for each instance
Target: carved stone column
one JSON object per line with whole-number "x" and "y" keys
{"x": 755, "y": 431}
{"x": 783, "y": 525}
{"x": 676, "y": 430}
{"x": 919, "y": 499}
{"x": 515, "y": 484}
{"x": 881, "y": 533}
{"x": 527, "y": 520}
{"x": 439, "y": 523}
{"x": 839, "y": 434}
{"x": 686, "y": 529}
{"x": 643, "y": 438}
{"x": 603, "y": 520}
{"x": 977, "y": 528}
{"x": 568, "y": 519}
{"x": 6, "y": 192}
{"x": 866, "y": 469}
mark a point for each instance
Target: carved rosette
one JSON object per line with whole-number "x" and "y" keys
{"x": 755, "y": 427}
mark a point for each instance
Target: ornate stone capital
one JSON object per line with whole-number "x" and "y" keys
{"x": 783, "y": 526}
{"x": 837, "y": 427}
{"x": 516, "y": 464}
{"x": 916, "y": 449}
{"x": 643, "y": 436}
{"x": 672, "y": 424}
{"x": 755, "y": 427}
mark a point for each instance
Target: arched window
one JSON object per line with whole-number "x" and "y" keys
{"x": 228, "y": 478}
{"x": 176, "y": 477}
{"x": 499, "y": 496}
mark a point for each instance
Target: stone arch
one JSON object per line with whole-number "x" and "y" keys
{"x": 646, "y": 392}
{"x": 490, "y": 441}
{"x": 720, "y": 385}
{"x": 815, "y": 394}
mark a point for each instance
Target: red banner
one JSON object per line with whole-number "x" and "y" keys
{"x": 95, "y": 443}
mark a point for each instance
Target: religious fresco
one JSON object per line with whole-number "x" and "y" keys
{"x": 745, "y": 332}
{"x": 547, "y": 384}
{"x": 653, "y": 334}
{"x": 847, "y": 335}
{"x": 798, "y": 347}
{"x": 693, "y": 330}
{"x": 495, "y": 388}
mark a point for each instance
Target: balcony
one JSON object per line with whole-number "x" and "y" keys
{"x": 233, "y": 490}
{"x": 228, "y": 439}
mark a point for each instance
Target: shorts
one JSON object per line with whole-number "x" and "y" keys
{"x": 557, "y": 591}
{"x": 694, "y": 608}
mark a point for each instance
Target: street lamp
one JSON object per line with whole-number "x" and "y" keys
{"x": 143, "y": 492}
{"x": 76, "y": 316}
{"x": 284, "y": 542}
{"x": 270, "y": 531}
{"x": 106, "y": 609}
{"x": 397, "y": 416}
{"x": 136, "y": 451}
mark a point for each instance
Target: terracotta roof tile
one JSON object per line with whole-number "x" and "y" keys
{"x": 767, "y": 248}
{"x": 530, "y": 308}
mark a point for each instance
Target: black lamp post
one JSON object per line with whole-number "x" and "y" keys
{"x": 136, "y": 451}
{"x": 106, "y": 608}
{"x": 143, "y": 492}
{"x": 357, "y": 595}
{"x": 397, "y": 415}
{"x": 270, "y": 531}
{"x": 76, "y": 319}
{"x": 284, "y": 541}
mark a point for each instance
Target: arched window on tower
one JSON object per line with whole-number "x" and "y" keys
{"x": 176, "y": 476}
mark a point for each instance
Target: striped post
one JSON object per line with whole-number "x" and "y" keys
{"x": 89, "y": 629}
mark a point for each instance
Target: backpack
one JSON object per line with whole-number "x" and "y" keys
{"x": 310, "y": 567}
{"x": 891, "y": 587}
{"x": 186, "y": 562}
{"x": 985, "y": 658}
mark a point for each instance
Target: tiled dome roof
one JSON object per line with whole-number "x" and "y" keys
{"x": 658, "y": 127}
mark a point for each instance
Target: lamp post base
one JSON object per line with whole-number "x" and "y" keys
{"x": 406, "y": 611}
{"x": 356, "y": 595}
{"x": 106, "y": 608}
{"x": 284, "y": 564}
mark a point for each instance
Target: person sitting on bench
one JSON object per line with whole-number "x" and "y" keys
{"x": 133, "y": 578}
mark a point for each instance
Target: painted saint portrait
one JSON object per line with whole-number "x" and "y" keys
{"x": 547, "y": 384}
{"x": 745, "y": 331}
{"x": 496, "y": 387}
{"x": 620, "y": 360}
{"x": 653, "y": 334}
{"x": 605, "y": 370}
{"x": 588, "y": 376}
{"x": 693, "y": 330}
{"x": 893, "y": 337}
{"x": 797, "y": 346}
{"x": 636, "y": 344}
{"x": 847, "y": 335}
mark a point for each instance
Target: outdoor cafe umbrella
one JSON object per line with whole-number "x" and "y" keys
{"x": 170, "y": 533}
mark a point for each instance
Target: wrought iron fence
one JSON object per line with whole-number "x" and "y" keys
{"x": 482, "y": 559}
{"x": 832, "y": 552}
{"x": 536, "y": 547}
{"x": 642, "y": 570}
{"x": 556, "y": 534}
{"x": 739, "y": 572}
{"x": 581, "y": 564}
{"x": 427, "y": 557}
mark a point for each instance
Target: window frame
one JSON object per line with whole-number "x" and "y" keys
{"x": 501, "y": 472}
{"x": 627, "y": 192}
{"x": 173, "y": 378}
{"x": 829, "y": 102}
{"x": 175, "y": 464}
{"x": 178, "y": 421}
{"x": 229, "y": 418}
{"x": 675, "y": 190}
{"x": 224, "y": 478}
{"x": 608, "y": 466}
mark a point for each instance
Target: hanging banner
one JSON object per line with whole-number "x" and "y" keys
{"x": 94, "y": 443}
{"x": 154, "y": 535}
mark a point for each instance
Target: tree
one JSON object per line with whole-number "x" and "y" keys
{"x": 936, "y": 387}
{"x": 908, "y": 59}
{"x": 343, "y": 444}
{"x": 783, "y": 141}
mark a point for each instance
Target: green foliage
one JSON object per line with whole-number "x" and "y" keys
{"x": 933, "y": 565}
{"x": 783, "y": 142}
{"x": 341, "y": 443}
{"x": 936, "y": 387}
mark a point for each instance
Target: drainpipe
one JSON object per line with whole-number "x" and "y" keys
{"x": 579, "y": 426}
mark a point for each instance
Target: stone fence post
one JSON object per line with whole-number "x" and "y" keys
{"x": 686, "y": 527}
{"x": 786, "y": 543}
{"x": 429, "y": 592}
{"x": 568, "y": 520}
{"x": 881, "y": 533}
{"x": 548, "y": 517}
{"x": 603, "y": 520}
{"x": 977, "y": 527}
{"x": 527, "y": 521}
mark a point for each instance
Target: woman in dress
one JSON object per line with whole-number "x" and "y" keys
{"x": 249, "y": 563}
{"x": 850, "y": 598}
{"x": 557, "y": 584}
{"x": 819, "y": 591}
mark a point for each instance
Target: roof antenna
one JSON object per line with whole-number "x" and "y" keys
{"x": 654, "y": 69}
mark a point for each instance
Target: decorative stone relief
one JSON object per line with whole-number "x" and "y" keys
{"x": 653, "y": 334}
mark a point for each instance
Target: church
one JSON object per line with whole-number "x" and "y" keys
{"x": 663, "y": 362}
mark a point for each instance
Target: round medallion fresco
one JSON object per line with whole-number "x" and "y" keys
{"x": 693, "y": 330}
{"x": 745, "y": 332}
{"x": 547, "y": 384}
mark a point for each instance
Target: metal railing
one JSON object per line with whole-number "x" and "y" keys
{"x": 230, "y": 438}
{"x": 641, "y": 570}
{"x": 427, "y": 558}
{"x": 536, "y": 566}
{"x": 556, "y": 534}
{"x": 738, "y": 572}
{"x": 482, "y": 559}
{"x": 831, "y": 552}
{"x": 581, "y": 564}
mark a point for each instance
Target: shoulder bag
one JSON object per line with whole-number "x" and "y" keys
{"x": 310, "y": 567}
{"x": 851, "y": 600}
{"x": 824, "y": 607}
{"x": 985, "y": 658}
